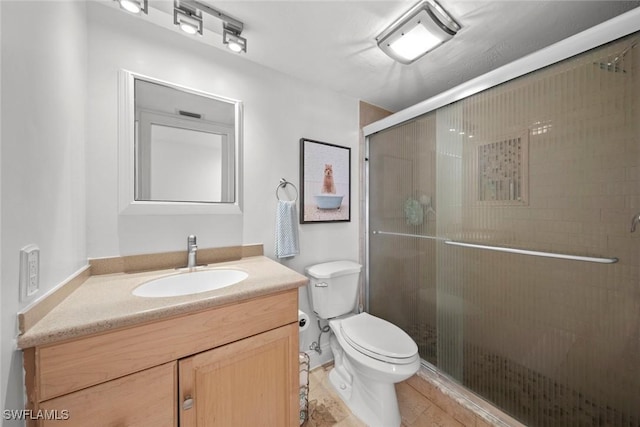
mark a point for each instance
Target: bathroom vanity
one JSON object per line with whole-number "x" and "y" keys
{"x": 220, "y": 358}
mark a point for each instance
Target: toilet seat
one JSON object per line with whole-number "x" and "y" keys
{"x": 378, "y": 339}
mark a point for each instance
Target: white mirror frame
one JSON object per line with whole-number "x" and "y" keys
{"x": 127, "y": 203}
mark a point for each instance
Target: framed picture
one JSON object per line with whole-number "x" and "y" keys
{"x": 325, "y": 174}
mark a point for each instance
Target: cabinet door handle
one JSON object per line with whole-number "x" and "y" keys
{"x": 321, "y": 285}
{"x": 188, "y": 403}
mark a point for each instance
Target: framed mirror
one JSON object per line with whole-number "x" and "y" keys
{"x": 179, "y": 149}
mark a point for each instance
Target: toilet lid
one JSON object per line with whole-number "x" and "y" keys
{"x": 378, "y": 338}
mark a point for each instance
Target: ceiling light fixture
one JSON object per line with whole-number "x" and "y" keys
{"x": 134, "y": 6}
{"x": 188, "y": 19}
{"x": 423, "y": 28}
{"x": 187, "y": 14}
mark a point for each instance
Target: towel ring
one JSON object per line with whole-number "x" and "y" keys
{"x": 283, "y": 184}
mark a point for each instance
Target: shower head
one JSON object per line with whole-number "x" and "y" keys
{"x": 613, "y": 65}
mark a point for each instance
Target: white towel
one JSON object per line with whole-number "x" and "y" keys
{"x": 287, "y": 244}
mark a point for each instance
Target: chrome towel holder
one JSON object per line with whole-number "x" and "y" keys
{"x": 283, "y": 184}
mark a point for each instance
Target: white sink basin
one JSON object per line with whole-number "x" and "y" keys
{"x": 189, "y": 283}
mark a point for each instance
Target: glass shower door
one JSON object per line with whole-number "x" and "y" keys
{"x": 548, "y": 163}
{"x": 402, "y": 229}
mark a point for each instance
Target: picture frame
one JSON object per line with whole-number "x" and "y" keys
{"x": 325, "y": 177}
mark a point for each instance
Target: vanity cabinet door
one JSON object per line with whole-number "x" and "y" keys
{"x": 143, "y": 399}
{"x": 251, "y": 382}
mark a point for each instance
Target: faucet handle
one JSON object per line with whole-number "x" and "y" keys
{"x": 191, "y": 240}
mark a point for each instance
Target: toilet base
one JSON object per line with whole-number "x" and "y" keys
{"x": 374, "y": 403}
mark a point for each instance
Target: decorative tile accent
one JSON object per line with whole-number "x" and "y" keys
{"x": 503, "y": 171}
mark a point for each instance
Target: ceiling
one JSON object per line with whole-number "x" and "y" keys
{"x": 331, "y": 43}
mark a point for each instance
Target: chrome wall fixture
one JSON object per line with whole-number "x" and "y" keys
{"x": 423, "y": 28}
{"x": 188, "y": 15}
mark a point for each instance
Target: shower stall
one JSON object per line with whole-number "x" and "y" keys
{"x": 498, "y": 238}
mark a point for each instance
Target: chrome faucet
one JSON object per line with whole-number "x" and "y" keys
{"x": 192, "y": 250}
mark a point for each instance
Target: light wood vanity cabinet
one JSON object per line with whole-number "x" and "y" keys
{"x": 241, "y": 384}
{"x": 231, "y": 365}
{"x": 143, "y": 399}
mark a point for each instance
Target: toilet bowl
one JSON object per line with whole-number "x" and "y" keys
{"x": 370, "y": 356}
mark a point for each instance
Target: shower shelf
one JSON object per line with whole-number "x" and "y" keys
{"x": 505, "y": 249}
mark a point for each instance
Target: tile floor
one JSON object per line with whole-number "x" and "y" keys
{"x": 327, "y": 409}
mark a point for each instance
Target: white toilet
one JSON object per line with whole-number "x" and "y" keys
{"x": 370, "y": 354}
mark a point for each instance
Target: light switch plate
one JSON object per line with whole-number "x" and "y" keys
{"x": 29, "y": 271}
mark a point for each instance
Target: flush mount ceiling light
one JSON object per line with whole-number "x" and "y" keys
{"x": 423, "y": 28}
{"x": 188, "y": 19}
{"x": 134, "y": 6}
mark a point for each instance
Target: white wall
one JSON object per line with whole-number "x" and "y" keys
{"x": 43, "y": 167}
{"x": 2, "y": 388}
{"x": 279, "y": 110}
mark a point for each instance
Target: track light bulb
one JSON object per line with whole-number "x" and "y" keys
{"x": 235, "y": 47}
{"x": 188, "y": 28}
{"x": 133, "y": 6}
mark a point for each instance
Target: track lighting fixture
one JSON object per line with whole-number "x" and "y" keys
{"x": 188, "y": 15}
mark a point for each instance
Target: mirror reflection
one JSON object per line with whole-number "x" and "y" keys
{"x": 185, "y": 145}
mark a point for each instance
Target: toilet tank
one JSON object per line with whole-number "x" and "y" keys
{"x": 333, "y": 287}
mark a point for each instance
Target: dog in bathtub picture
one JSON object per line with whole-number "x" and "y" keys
{"x": 325, "y": 174}
{"x": 327, "y": 199}
{"x": 328, "y": 186}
